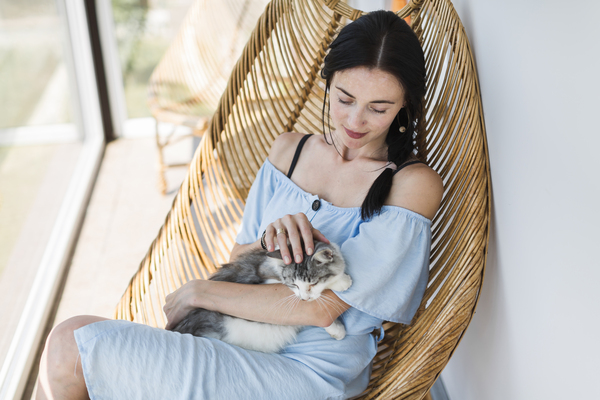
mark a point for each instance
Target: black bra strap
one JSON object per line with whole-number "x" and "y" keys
{"x": 407, "y": 164}
{"x": 297, "y": 154}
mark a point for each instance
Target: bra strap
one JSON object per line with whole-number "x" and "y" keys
{"x": 407, "y": 164}
{"x": 297, "y": 154}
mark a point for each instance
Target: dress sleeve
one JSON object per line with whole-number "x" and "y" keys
{"x": 259, "y": 196}
{"x": 388, "y": 261}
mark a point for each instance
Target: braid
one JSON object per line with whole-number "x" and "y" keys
{"x": 401, "y": 146}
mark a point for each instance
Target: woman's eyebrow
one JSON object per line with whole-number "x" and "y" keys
{"x": 374, "y": 101}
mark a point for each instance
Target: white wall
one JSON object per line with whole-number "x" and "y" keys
{"x": 370, "y": 5}
{"x": 536, "y": 333}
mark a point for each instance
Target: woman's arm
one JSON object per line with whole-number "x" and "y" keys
{"x": 243, "y": 248}
{"x": 265, "y": 303}
{"x": 275, "y": 304}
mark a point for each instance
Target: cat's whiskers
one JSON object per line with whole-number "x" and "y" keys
{"x": 330, "y": 301}
{"x": 285, "y": 306}
{"x": 283, "y": 300}
{"x": 288, "y": 306}
{"x": 320, "y": 302}
{"x": 282, "y": 304}
{"x": 292, "y": 305}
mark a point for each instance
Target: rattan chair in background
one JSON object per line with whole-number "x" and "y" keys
{"x": 275, "y": 87}
{"x": 186, "y": 85}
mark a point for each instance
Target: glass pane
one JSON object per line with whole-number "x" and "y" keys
{"x": 34, "y": 80}
{"x": 36, "y": 109}
{"x": 144, "y": 30}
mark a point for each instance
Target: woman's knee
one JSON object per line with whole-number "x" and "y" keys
{"x": 61, "y": 375}
{"x": 61, "y": 347}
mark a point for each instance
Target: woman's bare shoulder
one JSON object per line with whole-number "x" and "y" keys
{"x": 283, "y": 149}
{"x": 418, "y": 188}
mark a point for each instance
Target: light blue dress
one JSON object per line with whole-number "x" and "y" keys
{"x": 387, "y": 258}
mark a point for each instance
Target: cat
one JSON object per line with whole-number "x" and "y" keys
{"x": 323, "y": 270}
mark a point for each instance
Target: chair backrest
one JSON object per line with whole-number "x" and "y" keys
{"x": 191, "y": 76}
{"x": 275, "y": 87}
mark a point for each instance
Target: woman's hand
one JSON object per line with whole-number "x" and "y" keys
{"x": 179, "y": 303}
{"x": 298, "y": 229}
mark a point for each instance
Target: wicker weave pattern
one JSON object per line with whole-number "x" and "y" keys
{"x": 185, "y": 87}
{"x": 190, "y": 79}
{"x": 275, "y": 87}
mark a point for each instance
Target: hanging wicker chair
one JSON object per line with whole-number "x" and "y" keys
{"x": 186, "y": 85}
{"x": 275, "y": 87}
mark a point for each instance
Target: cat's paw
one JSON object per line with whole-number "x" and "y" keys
{"x": 336, "y": 330}
{"x": 343, "y": 283}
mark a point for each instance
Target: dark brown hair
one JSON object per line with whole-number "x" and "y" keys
{"x": 384, "y": 41}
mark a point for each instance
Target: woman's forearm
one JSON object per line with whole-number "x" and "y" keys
{"x": 274, "y": 304}
{"x": 243, "y": 248}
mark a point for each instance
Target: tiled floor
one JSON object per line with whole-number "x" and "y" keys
{"x": 125, "y": 213}
{"x": 33, "y": 183}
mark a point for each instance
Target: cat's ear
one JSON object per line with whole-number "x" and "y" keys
{"x": 324, "y": 256}
{"x": 275, "y": 254}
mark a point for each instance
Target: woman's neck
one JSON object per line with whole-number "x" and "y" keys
{"x": 375, "y": 151}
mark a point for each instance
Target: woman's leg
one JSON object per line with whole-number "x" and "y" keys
{"x": 61, "y": 376}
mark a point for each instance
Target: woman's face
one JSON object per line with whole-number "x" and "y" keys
{"x": 364, "y": 102}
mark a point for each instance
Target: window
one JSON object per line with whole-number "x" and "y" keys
{"x": 50, "y": 145}
{"x": 135, "y": 35}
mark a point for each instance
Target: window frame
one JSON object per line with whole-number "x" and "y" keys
{"x": 25, "y": 343}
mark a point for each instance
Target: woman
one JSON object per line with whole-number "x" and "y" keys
{"x": 359, "y": 185}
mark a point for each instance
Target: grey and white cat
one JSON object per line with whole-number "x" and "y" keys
{"x": 323, "y": 270}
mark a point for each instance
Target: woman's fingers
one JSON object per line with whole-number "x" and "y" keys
{"x": 296, "y": 229}
{"x": 296, "y": 243}
{"x": 317, "y": 235}
{"x": 282, "y": 237}
{"x": 179, "y": 303}
{"x": 299, "y": 230}
{"x": 306, "y": 233}
{"x": 299, "y": 234}
{"x": 170, "y": 310}
{"x": 270, "y": 237}
{"x": 276, "y": 234}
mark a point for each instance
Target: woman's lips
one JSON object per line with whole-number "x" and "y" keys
{"x": 354, "y": 135}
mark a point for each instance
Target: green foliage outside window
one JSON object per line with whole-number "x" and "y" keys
{"x": 140, "y": 49}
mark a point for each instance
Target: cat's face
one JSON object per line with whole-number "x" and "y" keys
{"x": 309, "y": 278}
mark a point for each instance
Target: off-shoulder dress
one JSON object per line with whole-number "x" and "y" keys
{"x": 387, "y": 258}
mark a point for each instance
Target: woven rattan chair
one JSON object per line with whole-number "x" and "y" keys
{"x": 186, "y": 85}
{"x": 275, "y": 87}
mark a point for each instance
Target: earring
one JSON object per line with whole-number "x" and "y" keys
{"x": 401, "y": 129}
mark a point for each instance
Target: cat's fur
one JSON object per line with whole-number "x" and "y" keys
{"x": 323, "y": 270}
